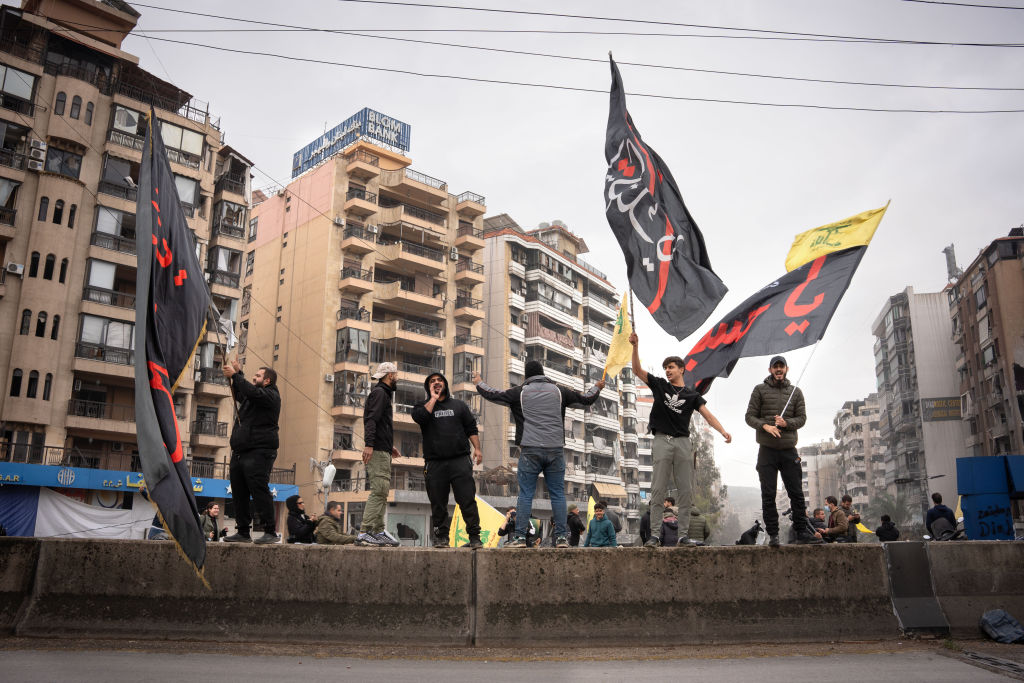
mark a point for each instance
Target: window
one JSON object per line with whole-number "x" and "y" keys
{"x": 63, "y": 270}
{"x": 187, "y": 189}
{"x": 48, "y": 268}
{"x": 55, "y": 329}
{"x": 63, "y": 162}
{"x": 116, "y": 334}
{"x": 113, "y": 222}
{"x": 33, "y": 384}
{"x": 16, "y": 382}
{"x": 71, "y": 216}
{"x": 253, "y": 225}
{"x": 58, "y": 106}
{"x": 76, "y": 107}
{"x": 33, "y": 265}
{"x": 20, "y": 84}
{"x": 352, "y": 346}
{"x": 48, "y": 382}
{"x": 44, "y": 207}
{"x": 183, "y": 139}
{"x": 58, "y": 212}
{"x": 26, "y": 321}
{"x": 981, "y": 297}
{"x": 41, "y": 324}
{"x": 88, "y": 114}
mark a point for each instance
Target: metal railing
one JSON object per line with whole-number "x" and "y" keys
{"x": 222, "y": 226}
{"x": 113, "y": 242}
{"x": 423, "y": 214}
{"x": 188, "y": 110}
{"x": 212, "y": 376}
{"x": 12, "y": 159}
{"x": 425, "y": 179}
{"x": 468, "y": 302}
{"x": 468, "y": 339}
{"x": 418, "y": 250}
{"x": 590, "y": 269}
{"x": 468, "y": 196}
{"x": 109, "y": 297}
{"x": 210, "y": 428}
{"x": 26, "y": 52}
{"x": 230, "y": 182}
{"x": 121, "y": 191}
{"x": 417, "y": 369}
{"x": 16, "y": 104}
{"x": 354, "y": 314}
{"x": 358, "y": 232}
{"x": 357, "y": 273}
{"x": 223, "y": 277}
{"x": 420, "y": 328}
{"x": 183, "y": 158}
{"x": 363, "y": 156}
{"x": 92, "y": 76}
{"x": 361, "y": 194}
{"x": 466, "y": 264}
{"x": 349, "y": 399}
{"x": 103, "y": 353}
{"x": 101, "y": 411}
{"x": 469, "y": 230}
{"x": 7, "y": 216}
{"x": 129, "y": 140}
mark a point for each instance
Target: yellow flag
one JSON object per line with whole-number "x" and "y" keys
{"x": 863, "y": 529}
{"x": 854, "y": 231}
{"x": 620, "y": 352}
{"x": 590, "y": 510}
{"x": 490, "y": 521}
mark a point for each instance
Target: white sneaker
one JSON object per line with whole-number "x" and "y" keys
{"x": 365, "y": 539}
{"x": 387, "y": 539}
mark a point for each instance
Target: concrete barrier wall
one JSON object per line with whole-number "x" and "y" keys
{"x": 972, "y": 578}
{"x": 631, "y": 596}
{"x": 699, "y": 595}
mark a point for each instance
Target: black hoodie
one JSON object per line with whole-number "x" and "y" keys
{"x": 300, "y": 527}
{"x": 446, "y": 431}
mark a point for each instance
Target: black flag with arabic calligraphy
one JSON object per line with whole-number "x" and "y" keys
{"x": 787, "y": 314}
{"x": 171, "y": 304}
{"x": 666, "y": 261}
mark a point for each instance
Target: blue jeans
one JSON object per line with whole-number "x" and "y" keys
{"x": 532, "y": 461}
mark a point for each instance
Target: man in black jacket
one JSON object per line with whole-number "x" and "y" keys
{"x": 254, "y": 445}
{"x": 378, "y": 449}
{"x": 449, "y": 428}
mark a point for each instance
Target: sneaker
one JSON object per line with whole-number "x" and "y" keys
{"x": 516, "y": 542}
{"x": 773, "y": 541}
{"x": 808, "y": 539}
{"x": 561, "y": 542}
{"x": 366, "y": 539}
{"x": 685, "y": 542}
{"x": 267, "y": 537}
{"x": 238, "y": 538}
{"x": 387, "y": 539}
{"x": 439, "y": 542}
{"x": 474, "y": 543}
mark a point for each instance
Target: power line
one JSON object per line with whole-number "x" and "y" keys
{"x": 764, "y": 34}
{"x": 964, "y": 4}
{"x": 547, "y": 86}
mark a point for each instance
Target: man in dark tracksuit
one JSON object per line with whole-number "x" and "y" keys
{"x": 538, "y": 407}
{"x": 378, "y": 449}
{"x": 449, "y": 428}
{"x": 254, "y": 445}
{"x": 776, "y": 424}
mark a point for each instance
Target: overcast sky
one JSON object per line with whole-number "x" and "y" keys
{"x": 752, "y": 176}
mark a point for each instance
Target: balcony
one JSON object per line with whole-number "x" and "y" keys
{"x": 413, "y": 256}
{"x": 603, "y": 307}
{"x": 209, "y": 433}
{"x": 120, "y": 191}
{"x": 104, "y": 354}
{"x": 362, "y": 164}
{"x": 415, "y": 185}
{"x": 224, "y": 227}
{"x": 113, "y": 242}
{"x": 7, "y": 216}
{"x": 468, "y": 238}
{"x": 468, "y": 340}
{"x": 393, "y": 211}
{"x": 230, "y": 182}
{"x": 359, "y": 315}
{"x": 471, "y": 204}
{"x": 348, "y": 404}
{"x": 357, "y": 240}
{"x": 395, "y": 295}
{"x": 360, "y": 202}
{"x": 468, "y": 308}
{"x": 108, "y": 297}
{"x": 415, "y": 337}
{"x": 109, "y": 419}
{"x": 468, "y": 272}
{"x": 12, "y": 159}
{"x": 415, "y": 372}
{"x": 224, "y": 278}
{"x": 356, "y": 280}
{"x": 18, "y": 105}
{"x": 212, "y": 382}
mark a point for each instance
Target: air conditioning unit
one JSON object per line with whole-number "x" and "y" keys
{"x": 35, "y": 165}
{"x": 16, "y": 269}
{"x": 35, "y": 143}
{"x": 116, "y": 447}
{"x": 339, "y": 221}
{"x": 372, "y": 229}
{"x": 76, "y": 385}
{"x": 453, "y": 255}
{"x": 38, "y": 154}
{"x": 328, "y": 378}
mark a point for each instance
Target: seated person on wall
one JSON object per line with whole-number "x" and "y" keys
{"x": 300, "y": 525}
{"x": 329, "y": 530}
{"x": 888, "y": 531}
{"x": 699, "y": 529}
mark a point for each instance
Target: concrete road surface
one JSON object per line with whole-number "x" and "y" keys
{"x": 90, "y": 665}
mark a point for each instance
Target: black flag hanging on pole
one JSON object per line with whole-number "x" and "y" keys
{"x": 170, "y": 318}
{"x": 666, "y": 261}
{"x": 789, "y": 313}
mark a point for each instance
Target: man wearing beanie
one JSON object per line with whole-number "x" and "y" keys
{"x": 538, "y": 408}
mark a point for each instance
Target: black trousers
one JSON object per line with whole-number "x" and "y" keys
{"x": 249, "y": 472}
{"x": 770, "y": 464}
{"x": 456, "y": 475}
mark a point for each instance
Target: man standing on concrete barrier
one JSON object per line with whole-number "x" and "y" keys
{"x": 254, "y": 443}
{"x": 448, "y": 428}
{"x": 776, "y": 410}
{"x": 378, "y": 449}
{"x": 538, "y": 407}
{"x": 674, "y": 459}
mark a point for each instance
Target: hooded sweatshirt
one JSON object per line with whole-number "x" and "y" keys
{"x": 300, "y": 526}
{"x": 669, "y": 531}
{"x": 446, "y": 429}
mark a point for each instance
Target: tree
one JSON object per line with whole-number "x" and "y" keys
{"x": 903, "y": 510}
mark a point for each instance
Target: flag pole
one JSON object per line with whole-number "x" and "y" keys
{"x": 800, "y": 378}
{"x": 632, "y": 320}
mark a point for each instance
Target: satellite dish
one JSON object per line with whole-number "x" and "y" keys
{"x": 329, "y": 476}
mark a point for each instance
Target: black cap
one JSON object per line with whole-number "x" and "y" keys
{"x": 776, "y": 360}
{"x": 533, "y": 368}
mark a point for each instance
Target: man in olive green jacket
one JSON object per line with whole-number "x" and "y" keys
{"x": 329, "y": 530}
{"x": 776, "y": 411}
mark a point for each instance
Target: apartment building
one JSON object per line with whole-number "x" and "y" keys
{"x": 820, "y": 476}
{"x": 861, "y": 459}
{"x": 545, "y": 303}
{"x": 915, "y": 370}
{"x": 72, "y": 124}
{"x": 361, "y": 259}
{"x": 986, "y": 305}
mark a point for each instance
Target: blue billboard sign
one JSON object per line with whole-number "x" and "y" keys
{"x": 366, "y": 124}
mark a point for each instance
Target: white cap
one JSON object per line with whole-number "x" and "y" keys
{"x": 383, "y": 369}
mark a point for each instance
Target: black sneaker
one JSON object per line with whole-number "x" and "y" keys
{"x": 475, "y": 543}
{"x": 238, "y": 538}
{"x": 439, "y": 542}
{"x": 773, "y": 541}
{"x": 267, "y": 537}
